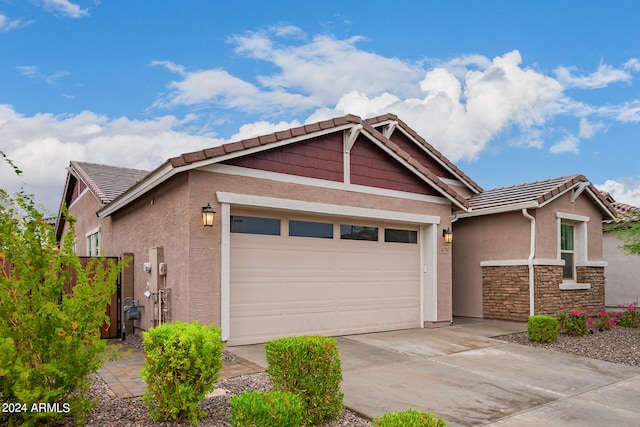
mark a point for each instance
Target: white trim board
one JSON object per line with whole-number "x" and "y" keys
{"x": 323, "y": 208}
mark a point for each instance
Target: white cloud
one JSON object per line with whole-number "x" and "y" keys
{"x": 43, "y": 144}
{"x": 254, "y": 129}
{"x": 66, "y": 8}
{"x": 8, "y": 25}
{"x": 589, "y": 129}
{"x": 568, "y": 144}
{"x": 623, "y": 190}
{"x": 33, "y": 72}
{"x": 604, "y": 76}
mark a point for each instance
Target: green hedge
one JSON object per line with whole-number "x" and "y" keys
{"x": 308, "y": 366}
{"x": 181, "y": 368}
{"x": 266, "y": 409}
{"x": 542, "y": 328}
{"x": 409, "y": 418}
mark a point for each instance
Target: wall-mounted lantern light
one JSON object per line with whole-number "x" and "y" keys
{"x": 208, "y": 215}
{"x": 447, "y": 235}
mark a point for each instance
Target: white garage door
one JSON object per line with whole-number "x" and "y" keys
{"x": 294, "y": 276}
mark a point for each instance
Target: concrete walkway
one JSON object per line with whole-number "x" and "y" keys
{"x": 123, "y": 378}
{"x": 464, "y": 376}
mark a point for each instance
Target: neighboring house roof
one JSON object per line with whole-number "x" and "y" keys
{"x": 354, "y": 124}
{"x": 626, "y": 215}
{"x": 106, "y": 183}
{"x": 534, "y": 195}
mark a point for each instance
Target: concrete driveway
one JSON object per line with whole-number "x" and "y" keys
{"x": 469, "y": 379}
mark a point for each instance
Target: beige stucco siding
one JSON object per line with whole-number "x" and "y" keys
{"x": 547, "y": 230}
{"x": 486, "y": 238}
{"x": 83, "y": 209}
{"x": 169, "y": 217}
{"x": 623, "y": 273}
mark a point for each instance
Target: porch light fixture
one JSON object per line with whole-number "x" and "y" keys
{"x": 447, "y": 235}
{"x": 208, "y": 215}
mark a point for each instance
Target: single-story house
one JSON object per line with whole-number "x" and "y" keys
{"x": 530, "y": 248}
{"x": 623, "y": 272}
{"x": 337, "y": 227}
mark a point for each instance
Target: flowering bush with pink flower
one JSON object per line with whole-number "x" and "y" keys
{"x": 630, "y": 316}
{"x": 604, "y": 320}
{"x": 573, "y": 322}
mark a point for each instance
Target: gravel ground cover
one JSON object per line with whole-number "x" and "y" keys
{"x": 618, "y": 345}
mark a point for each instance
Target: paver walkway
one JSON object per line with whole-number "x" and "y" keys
{"x": 122, "y": 375}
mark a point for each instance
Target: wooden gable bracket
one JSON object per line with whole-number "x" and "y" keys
{"x": 349, "y": 138}
{"x": 387, "y": 131}
{"x": 578, "y": 191}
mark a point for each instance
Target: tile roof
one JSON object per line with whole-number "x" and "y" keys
{"x": 538, "y": 191}
{"x": 232, "y": 147}
{"x": 107, "y": 182}
{"x": 239, "y": 146}
{"x": 626, "y": 215}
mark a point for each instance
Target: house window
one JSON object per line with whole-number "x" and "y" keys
{"x": 567, "y": 251}
{"x": 93, "y": 243}
{"x": 400, "y": 236}
{"x": 321, "y": 230}
{"x": 255, "y": 225}
{"x": 358, "y": 232}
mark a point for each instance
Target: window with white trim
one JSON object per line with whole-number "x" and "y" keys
{"x": 572, "y": 243}
{"x": 567, "y": 251}
{"x": 93, "y": 242}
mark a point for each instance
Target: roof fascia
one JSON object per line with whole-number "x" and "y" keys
{"x": 167, "y": 171}
{"x": 426, "y": 179}
{"x": 151, "y": 181}
{"x": 599, "y": 202}
{"x": 579, "y": 188}
{"x": 530, "y": 204}
{"x": 440, "y": 162}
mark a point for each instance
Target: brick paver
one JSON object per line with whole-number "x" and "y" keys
{"x": 123, "y": 374}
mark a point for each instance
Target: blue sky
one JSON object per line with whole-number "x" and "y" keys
{"x": 510, "y": 91}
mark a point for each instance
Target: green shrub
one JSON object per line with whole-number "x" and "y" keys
{"x": 409, "y": 418}
{"x": 181, "y": 366}
{"x": 308, "y": 366}
{"x": 266, "y": 409}
{"x": 49, "y": 340}
{"x": 542, "y": 328}
{"x": 573, "y": 322}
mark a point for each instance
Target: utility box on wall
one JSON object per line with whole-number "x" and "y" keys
{"x": 156, "y": 257}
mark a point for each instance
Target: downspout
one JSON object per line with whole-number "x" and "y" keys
{"x": 532, "y": 252}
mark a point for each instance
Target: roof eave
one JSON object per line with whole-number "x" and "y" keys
{"x": 530, "y": 204}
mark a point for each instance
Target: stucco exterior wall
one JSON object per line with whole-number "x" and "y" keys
{"x": 485, "y": 238}
{"x": 506, "y": 237}
{"x": 83, "y": 209}
{"x": 158, "y": 219}
{"x": 169, "y": 217}
{"x": 623, "y": 273}
{"x": 547, "y": 229}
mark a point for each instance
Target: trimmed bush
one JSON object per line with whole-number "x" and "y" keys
{"x": 181, "y": 366}
{"x": 266, "y": 409}
{"x": 409, "y": 418}
{"x": 542, "y": 328}
{"x": 630, "y": 316}
{"x": 308, "y": 366}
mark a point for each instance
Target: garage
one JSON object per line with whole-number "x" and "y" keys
{"x": 303, "y": 274}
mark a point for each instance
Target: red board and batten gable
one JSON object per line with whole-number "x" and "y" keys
{"x": 319, "y": 157}
{"x": 322, "y": 158}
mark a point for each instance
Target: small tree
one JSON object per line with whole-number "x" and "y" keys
{"x": 627, "y": 229}
{"x": 49, "y": 341}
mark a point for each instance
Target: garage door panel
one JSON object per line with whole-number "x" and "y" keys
{"x": 282, "y": 286}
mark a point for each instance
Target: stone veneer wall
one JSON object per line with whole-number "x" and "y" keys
{"x": 506, "y": 291}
